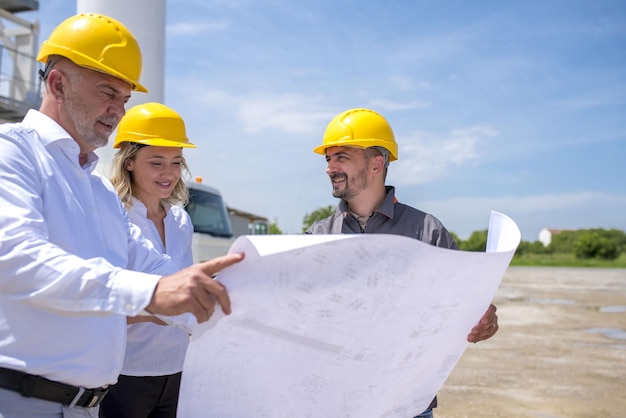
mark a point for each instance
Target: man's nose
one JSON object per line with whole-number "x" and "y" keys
{"x": 330, "y": 167}
{"x": 118, "y": 109}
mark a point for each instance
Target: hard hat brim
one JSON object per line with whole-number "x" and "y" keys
{"x": 361, "y": 144}
{"x": 157, "y": 142}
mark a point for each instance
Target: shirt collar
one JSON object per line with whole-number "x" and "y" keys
{"x": 140, "y": 206}
{"x": 50, "y": 132}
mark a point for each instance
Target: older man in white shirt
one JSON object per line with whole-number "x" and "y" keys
{"x": 70, "y": 258}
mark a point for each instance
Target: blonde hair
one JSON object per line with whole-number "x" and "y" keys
{"x": 123, "y": 182}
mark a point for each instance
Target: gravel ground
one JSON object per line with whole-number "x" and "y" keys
{"x": 560, "y": 351}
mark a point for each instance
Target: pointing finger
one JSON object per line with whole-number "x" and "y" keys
{"x": 211, "y": 267}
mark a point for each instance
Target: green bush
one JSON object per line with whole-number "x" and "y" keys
{"x": 563, "y": 242}
{"x": 595, "y": 244}
{"x": 536, "y": 247}
{"x": 317, "y": 215}
{"x": 476, "y": 242}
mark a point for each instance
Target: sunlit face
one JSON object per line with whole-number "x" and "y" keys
{"x": 155, "y": 171}
{"x": 94, "y": 105}
{"x": 347, "y": 169}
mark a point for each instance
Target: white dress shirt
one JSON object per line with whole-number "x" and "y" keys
{"x": 151, "y": 349}
{"x": 66, "y": 251}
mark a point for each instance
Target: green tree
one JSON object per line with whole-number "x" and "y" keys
{"x": 317, "y": 215}
{"x": 563, "y": 242}
{"x": 274, "y": 229}
{"x": 527, "y": 248}
{"x": 476, "y": 242}
{"x": 616, "y": 235}
{"x": 537, "y": 247}
{"x": 596, "y": 244}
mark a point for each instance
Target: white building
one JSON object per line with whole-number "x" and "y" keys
{"x": 545, "y": 235}
{"x": 246, "y": 223}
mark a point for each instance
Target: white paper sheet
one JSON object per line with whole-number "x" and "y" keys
{"x": 340, "y": 325}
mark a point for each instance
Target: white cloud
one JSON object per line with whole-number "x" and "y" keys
{"x": 538, "y": 203}
{"x": 405, "y": 83}
{"x": 425, "y": 157}
{"x": 207, "y": 95}
{"x": 599, "y": 98}
{"x": 194, "y": 28}
{"x": 383, "y": 105}
{"x": 282, "y": 113}
{"x": 254, "y": 112}
{"x": 579, "y": 210}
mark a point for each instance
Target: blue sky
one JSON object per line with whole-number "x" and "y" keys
{"x": 518, "y": 107}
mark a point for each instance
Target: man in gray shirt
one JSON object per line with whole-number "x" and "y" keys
{"x": 358, "y": 145}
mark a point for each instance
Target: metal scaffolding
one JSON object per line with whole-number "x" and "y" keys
{"x": 20, "y": 88}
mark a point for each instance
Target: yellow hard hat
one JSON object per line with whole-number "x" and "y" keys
{"x": 152, "y": 124}
{"x": 361, "y": 128}
{"x": 99, "y": 43}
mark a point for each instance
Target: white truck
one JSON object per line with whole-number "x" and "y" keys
{"x": 213, "y": 233}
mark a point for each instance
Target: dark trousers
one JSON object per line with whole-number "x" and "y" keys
{"x": 142, "y": 397}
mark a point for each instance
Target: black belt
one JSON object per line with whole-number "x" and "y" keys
{"x": 32, "y": 386}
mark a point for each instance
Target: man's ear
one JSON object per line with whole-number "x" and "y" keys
{"x": 378, "y": 163}
{"x": 56, "y": 84}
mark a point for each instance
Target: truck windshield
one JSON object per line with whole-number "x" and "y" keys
{"x": 208, "y": 214}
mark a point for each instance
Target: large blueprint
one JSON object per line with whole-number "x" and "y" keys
{"x": 340, "y": 325}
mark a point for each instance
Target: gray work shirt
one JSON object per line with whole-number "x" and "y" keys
{"x": 392, "y": 217}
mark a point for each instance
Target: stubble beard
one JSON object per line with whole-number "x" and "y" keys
{"x": 353, "y": 185}
{"x": 77, "y": 113}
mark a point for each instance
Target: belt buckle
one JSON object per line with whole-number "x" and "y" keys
{"x": 95, "y": 399}
{"x": 80, "y": 392}
{"x": 98, "y": 395}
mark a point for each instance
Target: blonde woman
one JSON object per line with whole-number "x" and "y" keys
{"x": 148, "y": 177}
